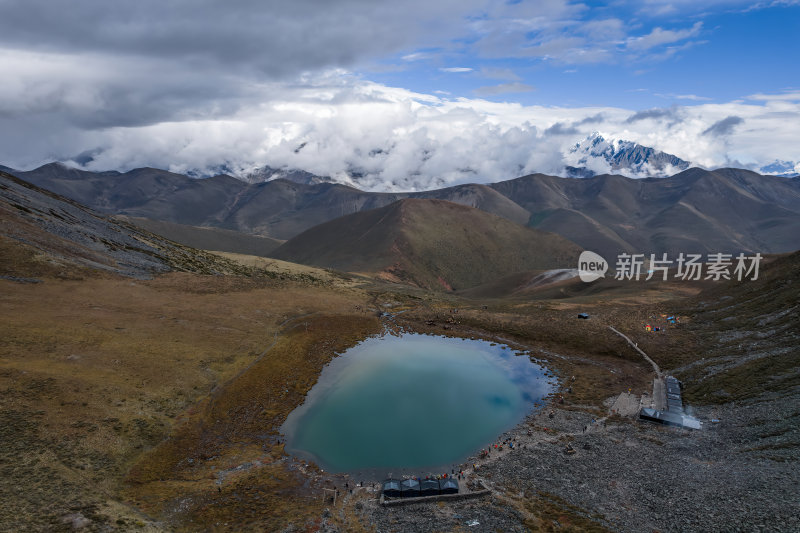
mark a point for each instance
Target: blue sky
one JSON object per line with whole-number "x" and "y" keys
{"x": 390, "y": 95}
{"x": 714, "y": 54}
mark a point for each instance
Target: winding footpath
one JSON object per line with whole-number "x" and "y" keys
{"x": 636, "y": 347}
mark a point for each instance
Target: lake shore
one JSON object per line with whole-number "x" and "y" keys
{"x": 624, "y": 475}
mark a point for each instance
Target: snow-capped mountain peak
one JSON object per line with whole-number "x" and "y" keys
{"x": 597, "y": 154}
{"x": 267, "y": 173}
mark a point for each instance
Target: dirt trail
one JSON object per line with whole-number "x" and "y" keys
{"x": 659, "y": 398}
{"x": 636, "y": 347}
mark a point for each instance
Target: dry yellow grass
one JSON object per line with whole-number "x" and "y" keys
{"x": 95, "y": 372}
{"x": 295, "y": 270}
{"x": 221, "y": 462}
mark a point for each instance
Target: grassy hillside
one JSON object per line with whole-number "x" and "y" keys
{"x": 215, "y": 239}
{"x": 429, "y": 243}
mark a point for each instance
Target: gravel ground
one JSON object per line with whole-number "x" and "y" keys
{"x": 738, "y": 474}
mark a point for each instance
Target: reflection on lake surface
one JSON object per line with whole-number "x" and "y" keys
{"x": 413, "y": 401}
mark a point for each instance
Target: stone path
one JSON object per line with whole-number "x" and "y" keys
{"x": 659, "y": 394}
{"x": 659, "y": 398}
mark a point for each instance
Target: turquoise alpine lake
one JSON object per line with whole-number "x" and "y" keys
{"x": 413, "y": 402}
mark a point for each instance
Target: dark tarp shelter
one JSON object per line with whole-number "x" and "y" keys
{"x": 673, "y": 385}
{"x": 391, "y": 488}
{"x": 448, "y": 486}
{"x": 409, "y": 488}
{"x": 674, "y": 401}
{"x": 429, "y": 487}
{"x": 674, "y": 406}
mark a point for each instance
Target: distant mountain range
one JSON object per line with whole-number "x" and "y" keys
{"x": 594, "y": 155}
{"x": 700, "y": 211}
{"x": 591, "y": 156}
{"x": 279, "y": 208}
{"x": 696, "y": 210}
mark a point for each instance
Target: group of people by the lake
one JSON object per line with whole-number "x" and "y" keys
{"x": 510, "y": 443}
{"x": 452, "y": 475}
{"x": 442, "y": 476}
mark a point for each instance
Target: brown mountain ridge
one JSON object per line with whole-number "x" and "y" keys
{"x": 429, "y": 243}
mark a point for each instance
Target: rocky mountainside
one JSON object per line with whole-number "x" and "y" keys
{"x": 42, "y": 233}
{"x": 750, "y": 339}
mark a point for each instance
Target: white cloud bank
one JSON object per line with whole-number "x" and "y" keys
{"x": 378, "y": 137}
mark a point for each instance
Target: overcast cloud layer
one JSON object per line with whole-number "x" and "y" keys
{"x": 201, "y": 85}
